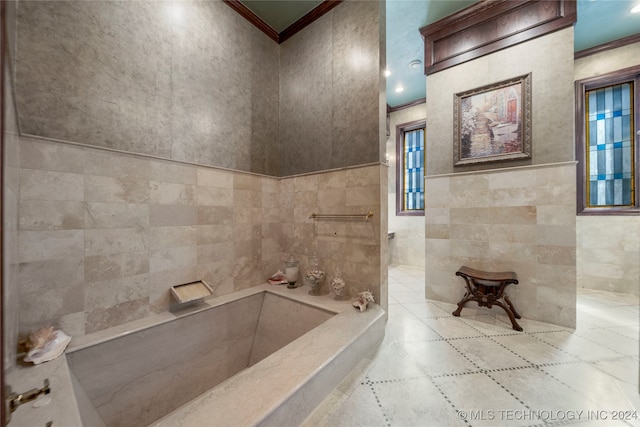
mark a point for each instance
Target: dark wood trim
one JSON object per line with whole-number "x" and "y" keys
{"x": 307, "y": 19}
{"x": 579, "y": 92}
{"x": 607, "y": 46}
{"x": 581, "y": 87}
{"x": 406, "y": 105}
{"x": 248, "y": 14}
{"x": 3, "y": 53}
{"x": 491, "y": 25}
{"x": 292, "y": 29}
{"x": 400, "y": 130}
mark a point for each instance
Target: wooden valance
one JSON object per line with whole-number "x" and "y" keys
{"x": 491, "y": 25}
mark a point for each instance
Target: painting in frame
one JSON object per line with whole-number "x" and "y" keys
{"x": 493, "y": 123}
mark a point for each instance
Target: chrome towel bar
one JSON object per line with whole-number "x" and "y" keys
{"x": 364, "y": 217}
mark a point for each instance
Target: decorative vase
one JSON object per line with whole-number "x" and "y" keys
{"x": 291, "y": 271}
{"x": 337, "y": 284}
{"x": 315, "y": 276}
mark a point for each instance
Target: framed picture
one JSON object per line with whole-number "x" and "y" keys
{"x": 493, "y": 123}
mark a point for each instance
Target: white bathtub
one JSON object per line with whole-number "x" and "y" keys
{"x": 262, "y": 356}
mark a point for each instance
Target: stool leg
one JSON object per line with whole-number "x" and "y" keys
{"x": 462, "y": 303}
{"x": 511, "y": 316}
{"x": 515, "y": 313}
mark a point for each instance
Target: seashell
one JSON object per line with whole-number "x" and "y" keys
{"x": 39, "y": 338}
{"x": 278, "y": 278}
{"x": 362, "y": 300}
{"x": 51, "y": 349}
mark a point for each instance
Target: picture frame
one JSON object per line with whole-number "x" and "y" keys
{"x": 492, "y": 123}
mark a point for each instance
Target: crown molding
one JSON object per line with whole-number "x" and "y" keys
{"x": 292, "y": 29}
{"x": 606, "y": 46}
{"x": 406, "y": 105}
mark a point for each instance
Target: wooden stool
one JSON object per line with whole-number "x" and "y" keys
{"x": 487, "y": 288}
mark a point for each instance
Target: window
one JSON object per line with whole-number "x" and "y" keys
{"x": 410, "y": 166}
{"x": 607, "y": 148}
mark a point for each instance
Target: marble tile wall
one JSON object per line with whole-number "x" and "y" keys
{"x": 358, "y": 248}
{"x": 407, "y": 246}
{"x": 330, "y": 112}
{"x": 608, "y": 257}
{"x": 609, "y": 253}
{"x": 517, "y": 219}
{"x": 177, "y": 80}
{"x": 104, "y": 235}
{"x": 194, "y": 81}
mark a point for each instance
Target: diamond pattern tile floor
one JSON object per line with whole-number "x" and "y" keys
{"x": 433, "y": 369}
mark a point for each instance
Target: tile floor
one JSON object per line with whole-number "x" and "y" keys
{"x": 433, "y": 369}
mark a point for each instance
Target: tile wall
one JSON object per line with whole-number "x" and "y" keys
{"x": 194, "y": 81}
{"x": 356, "y": 246}
{"x": 609, "y": 253}
{"x": 330, "y": 84}
{"x": 517, "y": 219}
{"x": 103, "y": 235}
{"x": 176, "y": 80}
{"x": 407, "y": 247}
{"x": 518, "y": 215}
{"x": 608, "y": 246}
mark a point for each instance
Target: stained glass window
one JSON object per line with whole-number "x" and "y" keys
{"x": 413, "y": 170}
{"x": 610, "y": 146}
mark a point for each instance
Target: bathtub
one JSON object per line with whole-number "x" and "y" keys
{"x": 262, "y": 356}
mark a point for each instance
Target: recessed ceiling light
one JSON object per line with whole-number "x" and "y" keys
{"x": 387, "y": 73}
{"x": 635, "y": 9}
{"x": 399, "y": 89}
{"x": 415, "y": 63}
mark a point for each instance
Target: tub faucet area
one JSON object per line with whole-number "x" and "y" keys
{"x": 16, "y": 399}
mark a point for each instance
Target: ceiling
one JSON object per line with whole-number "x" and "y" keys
{"x": 599, "y": 21}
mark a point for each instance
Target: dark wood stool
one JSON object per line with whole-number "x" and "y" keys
{"x": 487, "y": 288}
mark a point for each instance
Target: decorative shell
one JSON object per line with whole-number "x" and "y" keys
{"x": 39, "y": 338}
{"x": 362, "y": 300}
{"x": 45, "y": 344}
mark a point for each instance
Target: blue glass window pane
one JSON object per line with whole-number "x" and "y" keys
{"x": 626, "y": 191}
{"x": 593, "y": 192}
{"x": 610, "y": 151}
{"x": 414, "y": 170}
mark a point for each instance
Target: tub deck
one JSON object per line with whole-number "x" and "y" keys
{"x": 280, "y": 390}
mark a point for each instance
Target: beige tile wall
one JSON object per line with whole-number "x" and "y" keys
{"x": 608, "y": 246}
{"x": 519, "y": 219}
{"x": 357, "y": 247}
{"x": 103, "y": 235}
{"x": 609, "y": 253}
{"x": 407, "y": 247}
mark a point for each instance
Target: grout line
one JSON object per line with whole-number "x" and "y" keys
{"x": 437, "y": 386}
{"x": 386, "y": 417}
